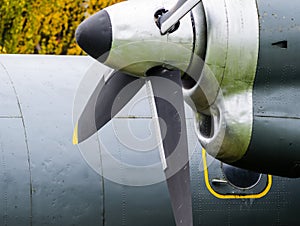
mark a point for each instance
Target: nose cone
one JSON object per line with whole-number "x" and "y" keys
{"x": 94, "y": 35}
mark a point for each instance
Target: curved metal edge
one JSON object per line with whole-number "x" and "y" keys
{"x": 221, "y": 196}
{"x": 232, "y": 55}
{"x": 133, "y": 35}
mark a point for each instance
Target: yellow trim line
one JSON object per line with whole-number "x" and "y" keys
{"x": 221, "y": 196}
{"x": 75, "y": 135}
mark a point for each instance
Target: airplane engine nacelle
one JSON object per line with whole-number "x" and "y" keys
{"x": 239, "y": 62}
{"x": 247, "y": 96}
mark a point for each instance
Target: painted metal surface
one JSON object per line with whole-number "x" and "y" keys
{"x": 63, "y": 191}
{"x": 15, "y": 197}
{"x": 276, "y": 93}
{"x": 132, "y": 37}
{"x": 66, "y": 191}
{"x": 15, "y": 203}
{"x": 276, "y": 207}
{"x": 227, "y": 77}
{"x": 8, "y": 100}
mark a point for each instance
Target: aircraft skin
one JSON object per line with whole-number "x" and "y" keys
{"x": 275, "y": 91}
{"x": 251, "y": 48}
{"x": 44, "y": 179}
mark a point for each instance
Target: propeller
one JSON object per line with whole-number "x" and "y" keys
{"x": 105, "y": 103}
{"x": 167, "y": 105}
{"x": 168, "y": 20}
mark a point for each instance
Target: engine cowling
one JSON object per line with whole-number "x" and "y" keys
{"x": 251, "y": 64}
{"x": 239, "y": 64}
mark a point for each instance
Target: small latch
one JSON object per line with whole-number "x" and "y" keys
{"x": 217, "y": 181}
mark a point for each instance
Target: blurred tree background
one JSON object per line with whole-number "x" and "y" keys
{"x": 44, "y": 26}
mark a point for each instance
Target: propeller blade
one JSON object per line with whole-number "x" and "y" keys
{"x": 169, "y": 19}
{"x": 168, "y": 105}
{"x": 104, "y": 104}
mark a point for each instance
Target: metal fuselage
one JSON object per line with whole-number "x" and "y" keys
{"x": 44, "y": 180}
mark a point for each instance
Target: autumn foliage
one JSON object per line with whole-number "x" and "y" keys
{"x": 44, "y": 26}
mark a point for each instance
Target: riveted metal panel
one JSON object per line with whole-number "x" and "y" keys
{"x": 230, "y": 66}
{"x": 276, "y": 93}
{"x": 65, "y": 191}
{"x": 58, "y": 166}
{"x": 139, "y": 107}
{"x": 15, "y": 201}
{"x": 277, "y": 82}
{"x": 123, "y": 201}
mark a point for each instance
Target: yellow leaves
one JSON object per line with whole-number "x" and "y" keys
{"x": 2, "y": 49}
{"x": 44, "y": 26}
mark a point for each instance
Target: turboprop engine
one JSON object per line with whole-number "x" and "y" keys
{"x": 234, "y": 62}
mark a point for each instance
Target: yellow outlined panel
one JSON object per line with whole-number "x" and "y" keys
{"x": 237, "y": 196}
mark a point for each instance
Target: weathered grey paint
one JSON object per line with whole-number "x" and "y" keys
{"x": 227, "y": 77}
{"x": 276, "y": 128}
{"x": 66, "y": 191}
{"x": 44, "y": 180}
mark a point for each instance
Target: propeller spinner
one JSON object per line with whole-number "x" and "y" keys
{"x": 126, "y": 38}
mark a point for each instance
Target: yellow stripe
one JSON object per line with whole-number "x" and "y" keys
{"x": 220, "y": 196}
{"x": 75, "y": 135}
